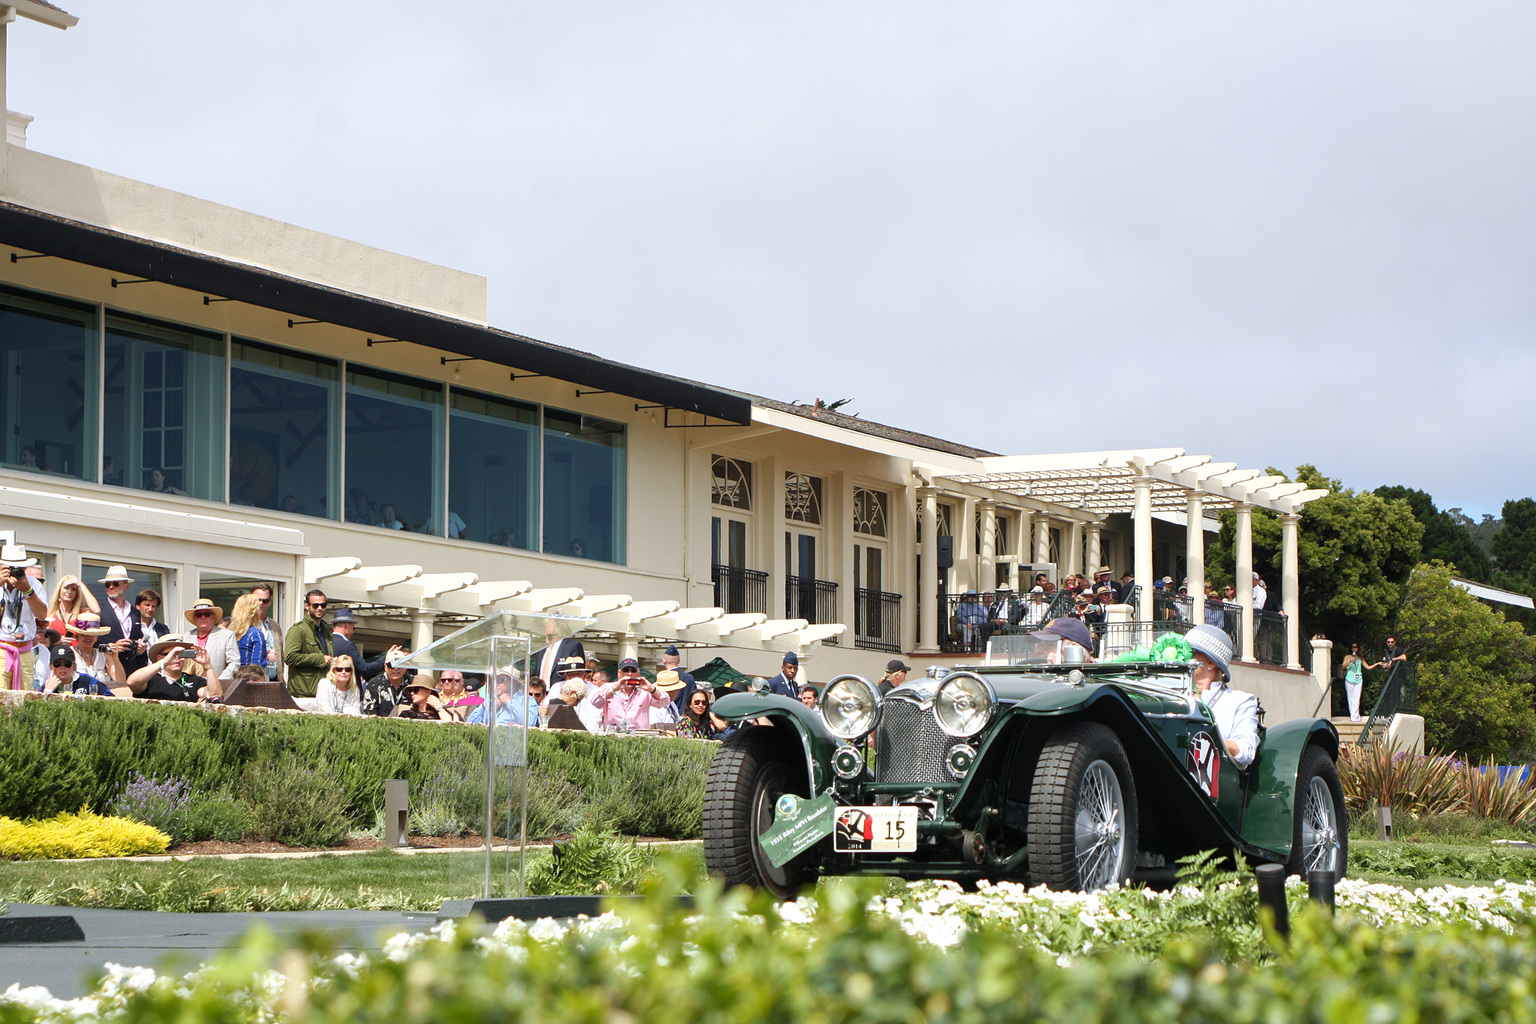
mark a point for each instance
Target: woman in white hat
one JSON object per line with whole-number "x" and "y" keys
{"x": 91, "y": 660}
{"x": 1235, "y": 712}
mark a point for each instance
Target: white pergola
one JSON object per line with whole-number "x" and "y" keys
{"x": 629, "y": 623}
{"x": 1139, "y": 482}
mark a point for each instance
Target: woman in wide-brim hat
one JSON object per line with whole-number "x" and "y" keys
{"x": 85, "y": 627}
{"x": 424, "y": 703}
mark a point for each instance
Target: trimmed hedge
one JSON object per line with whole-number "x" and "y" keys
{"x": 61, "y": 755}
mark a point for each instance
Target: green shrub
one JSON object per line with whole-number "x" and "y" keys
{"x": 61, "y": 755}
{"x": 79, "y": 835}
{"x": 291, "y": 803}
{"x": 212, "y": 817}
{"x": 590, "y": 862}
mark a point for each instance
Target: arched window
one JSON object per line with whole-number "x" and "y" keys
{"x": 732, "y": 483}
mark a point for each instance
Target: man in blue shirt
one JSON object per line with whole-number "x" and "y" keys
{"x": 784, "y": 684}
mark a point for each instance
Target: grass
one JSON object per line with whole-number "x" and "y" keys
{"x": 1426, "y": 853}
{"x": 380, "y": 880}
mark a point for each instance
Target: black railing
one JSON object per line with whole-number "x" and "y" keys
{"x": 813, "y": 600}
{"x": 964, "y": 627}
{"x": 740, "y": 590}
{"x": 1399, "y": 692}
{"x": 1269, "y": 638}
{"x": 877, "y": 620}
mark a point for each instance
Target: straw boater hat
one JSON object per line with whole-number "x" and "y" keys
{"x": 93, "y": 625}
{"x": 15, "y": 556}
{"x": 201, "y": 604}
{"x": 116, "y": 574}
{"x": 669, "y": 680}
{"x": 168, "y": 643}
{"x": 571, "y": 664}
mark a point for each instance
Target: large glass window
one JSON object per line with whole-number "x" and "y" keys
{"x": 584, "y": 475}
{"x": 282, "y": 438}
{"x": 163, "y": 425}
{"x": 394, "y": 446}
{"x": 48, "y": 354}
{"x": 493, "y": 470}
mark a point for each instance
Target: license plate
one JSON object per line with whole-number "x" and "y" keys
{"x": 875, "y": 830}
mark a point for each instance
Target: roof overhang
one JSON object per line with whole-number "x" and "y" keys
{"x": 1104, "y": 483}
{"x": 130, "y": 255}
{"x": 1484, "y": 592}
{"x": 942, "y": 462}
{"x": 43, "y": 12}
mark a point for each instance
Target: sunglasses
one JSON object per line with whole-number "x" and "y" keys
{"x": 263, "y": 600}
{"x": 202, "y": 615}
{"x": 340, "y": 670}
{"x": 56, "y": 664}
{"x": 317, "y": 604}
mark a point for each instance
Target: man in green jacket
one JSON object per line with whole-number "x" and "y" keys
{"x": 307, "y": 649}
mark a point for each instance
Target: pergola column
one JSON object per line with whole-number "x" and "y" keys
{"x": 1142, "y": 556}
{"x": 1095, "y": 554}
{"x": 987, "y": 570}
{"x": 1194, "y": 555}
{"x": 1042, "y": 539}
{"x": 421, "y": 629}
{"x": 928, "y": 582}
{"x": 1245, "y": 578}
{"x": 1290, "y": 587}
{"x": 1075, "y": 548}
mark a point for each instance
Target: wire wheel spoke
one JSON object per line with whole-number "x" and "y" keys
{"x": 1319, "y": 828}
{"x": 1099, "y": 832}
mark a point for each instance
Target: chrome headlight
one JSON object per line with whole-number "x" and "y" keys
{"x": 850, "y": 705}
{"x": 963, "y": 705}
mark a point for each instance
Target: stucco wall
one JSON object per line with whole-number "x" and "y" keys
{"x": 134, "y": 207}
{"x": 1285, "y": 694}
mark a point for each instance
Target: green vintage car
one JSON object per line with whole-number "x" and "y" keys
{"x": 1077, "y": 776}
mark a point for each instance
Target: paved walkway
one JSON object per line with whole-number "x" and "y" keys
{"x": 176, "y": 942}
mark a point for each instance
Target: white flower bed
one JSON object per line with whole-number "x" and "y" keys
{"x": 1067, "y": 925}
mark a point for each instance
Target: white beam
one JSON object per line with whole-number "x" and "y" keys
{"x": 381, "y": 576}
{"x": 684, "y": 618}
{"x": 318, "y": 569}
{"x": 597, "y": 604}
{"x": 491, "y": 591}
{"x": 725, "y": 625}
{"x": 435, "y": 584}
{"x": 622, "y": 620}
{"x": 769, "y": 631}
{"x": 542, "y": 600}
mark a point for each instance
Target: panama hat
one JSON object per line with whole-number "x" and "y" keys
{"x": 203, "y": 604}
{"x": 116, "y": 574}
{"x": 15, "y": 556}
{"x": 92, "y": 627}
{"x": 168, "y": 643}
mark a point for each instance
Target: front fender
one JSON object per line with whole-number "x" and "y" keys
{"x": 1270, "y": 820}
{"x": 793, "y": 716}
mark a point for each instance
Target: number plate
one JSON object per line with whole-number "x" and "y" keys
{"x": 876, "y": 830}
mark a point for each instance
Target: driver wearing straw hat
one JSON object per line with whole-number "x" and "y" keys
{"x": 1235, "y": 712}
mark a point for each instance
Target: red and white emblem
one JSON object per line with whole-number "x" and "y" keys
{"x": 1204, "y": 763}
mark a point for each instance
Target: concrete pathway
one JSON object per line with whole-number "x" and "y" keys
{"x": 176, "y": 942}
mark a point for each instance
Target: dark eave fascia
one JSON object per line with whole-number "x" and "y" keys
{"x": 156, "y": 261}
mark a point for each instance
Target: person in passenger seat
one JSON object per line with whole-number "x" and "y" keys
{"x": 1235, "y": 712}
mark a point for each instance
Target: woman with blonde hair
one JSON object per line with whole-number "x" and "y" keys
{"x": 245, "y": 623}
{"x": 70, "y": 598}
{"x": 339, "y": 692}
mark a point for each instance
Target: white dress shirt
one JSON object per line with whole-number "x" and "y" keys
{"x": 1236, "y": 714}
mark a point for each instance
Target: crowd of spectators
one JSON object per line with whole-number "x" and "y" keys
{"x": 979, "y": 616}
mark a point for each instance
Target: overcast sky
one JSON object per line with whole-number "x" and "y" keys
{"x": 1272, "y": 232}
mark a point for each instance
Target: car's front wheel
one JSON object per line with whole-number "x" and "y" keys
{"x": 746, "y": 778}
{"x": 1321, "y": 838}
{"x": 1082, "y": 811}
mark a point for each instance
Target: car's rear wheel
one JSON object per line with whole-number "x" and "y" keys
{"x": 1320, "y": 841}
{"x": 746, "y": 778}
{"x": 1082, "y": 811}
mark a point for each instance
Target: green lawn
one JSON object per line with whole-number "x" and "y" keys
{"x": 385, "y": 880}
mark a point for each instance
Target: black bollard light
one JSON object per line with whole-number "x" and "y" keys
{"x": 1272, "y": 895}
{"x": 1320, "y": 888}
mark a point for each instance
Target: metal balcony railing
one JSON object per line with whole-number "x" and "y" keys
{"x": 877, "y": 620}
{"x": 813, "y": 600}
{"x": 740, "y": 590}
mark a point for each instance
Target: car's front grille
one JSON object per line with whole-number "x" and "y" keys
{"x": 910, "y": 745}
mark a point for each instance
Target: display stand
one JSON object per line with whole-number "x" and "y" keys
{"x": 500, "y": 645}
